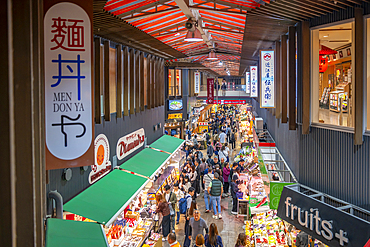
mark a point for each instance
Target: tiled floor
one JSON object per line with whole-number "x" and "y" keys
{"x": 334, "y": 118}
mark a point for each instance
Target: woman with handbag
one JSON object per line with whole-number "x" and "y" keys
{"x": 213, "y": 239}
{"x": 164, "y": 209}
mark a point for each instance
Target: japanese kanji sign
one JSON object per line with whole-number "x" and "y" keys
{"x": 210, "y": 90}
{"x": 196, "y": 82}
{"x": 254, "y": 81}
{"x": 247, "y": 82}
{"x": 68, "y": 86}
{"x": 267, "y": 59}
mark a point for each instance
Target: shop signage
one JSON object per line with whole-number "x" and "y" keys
{"x": 247, "y": 82}
{"x": 196, "y": 82}
{"x": 276, "y": 188}
{"x": 254, "y": 86}
{"x": 231, "y": 102}
{"x": 323, "y": 64}
{"x": 210, "y": 90}
{"x": 175, "y": 116}
{"x": 102, "y": 165}
{"x": 322, "y": 221}
{"x": 68, "y": 85}
{"x": 130, "y": 143}
{"x": 267, "y": 79}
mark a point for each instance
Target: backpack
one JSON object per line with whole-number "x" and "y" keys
{"x": 207, "y": 137}
{"x": 183, "y": 204}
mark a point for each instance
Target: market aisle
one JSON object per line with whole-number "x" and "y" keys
{"x": 228, "y": 227}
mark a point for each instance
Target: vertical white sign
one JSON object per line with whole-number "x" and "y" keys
{"x": 267, "y": 79}
{"x": 254, "y": 82}
{"x": 67, "y": 53}
{"x": 196, "y": 82}
{"x": 247, "y": 82}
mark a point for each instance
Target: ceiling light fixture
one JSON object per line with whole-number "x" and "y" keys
{"x": 325, "y": 36}
{"x": 193, "y": 36}
{"x": 212, "y": 55}
{"x": 220, "y": 63}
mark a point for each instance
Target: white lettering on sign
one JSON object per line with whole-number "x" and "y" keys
{"x": 102, "y": 165}
{"x": 254, "y": 86}
{"x": 313, "y": 222}
{"x": 129, "y": 143}
{"x": 196, "y": 82}
{"x": 67, "y": 53}
{"x": 267, "y": 79}
{"x": 247, "y": 82}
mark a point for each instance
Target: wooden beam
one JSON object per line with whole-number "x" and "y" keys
{"x": 167, "y": 28}
{"x": 294, "y": 7}
{"x": 132, "y": 81}
{"x": 222, "y": 24}
{"x": 148, "y": 82}
{"x": 119, "y": 82}
{"x": 222, "y": 30}
{"x": 126, "y": 81}
{"x": 277, "y": 81}
{"x": 358, "y": 80}
{"x": 152, "y": 81}
{"x": 149, "y": 14}
{"x": 106, "y": 81}
{"x": 97, "y": 82}
{"x": 301, "y": 4}
{"x": 142, "y": 82}
{"x": 164, "y": 82}
{"x": 288, "y": 10}
{"x": 292, "y": 78}
{"x": 146, "y": 6}
{"x": 283, "y": 80}
{"x": 157, "y": 82}
{"x": 137, "y": 81}
{"x": 217, "y": 10}
{"x": 306, "y": 81}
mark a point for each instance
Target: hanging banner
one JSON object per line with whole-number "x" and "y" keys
{"x": 322, "y": 221}
{"x": 254, "y": 86}
{"x": 267, "y": 79}
{"x": 196, "y": 82}
{"x": 102, "y": 164}
{"x": 210, "y": 90}
{"x": 130, "y": 143}
{"x": 247, "y": 82}
{"x": 68, "y": 85}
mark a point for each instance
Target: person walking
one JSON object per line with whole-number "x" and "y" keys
{"x": 179, "y": 194}
{"x": 223, "y": 138}
{"x": 213, "y": 239}
{"x": 223, "y": 154}
{"x": 210, "y": 149}
{"x": 225, "y": 174}
{"x": 164, "y": 209}
{"x": 171, "y": 238}
{"x": 197, "y": 225}
{"x": 199, "y": 241}
{"x": 234, "y": 189}
{"x": 202, "y": 168}
{"x": 232, "y": 139}
{"x": 172, "y": 201}
{"x": 215, "y": 190}
{"x": 207, "y": 179}
{"x": 241, "y": 240}
{"x": 188, "y": 214}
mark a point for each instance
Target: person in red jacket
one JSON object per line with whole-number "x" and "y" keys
{"x": 225, "y": 174}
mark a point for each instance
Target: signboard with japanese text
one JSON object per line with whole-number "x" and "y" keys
{"x": 267, "y": 88}
{"x": 247, "y": 82}
{"x": 175, "y": 116}
{"x": 254, "y": 81}
{"x": 68, "y": 84}
{"x": 210, "y": 90}
{"x": 102, "y": 165}
{"x": 231, "y": 102}
{"x": 130, "y": 143}
{"x": 196, "y": 82}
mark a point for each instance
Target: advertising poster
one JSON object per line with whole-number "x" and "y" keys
{"x": 247, "y": 82}
{"x": 254, "y": 81}
{"x": 267, "y": 79}
{"x": 196, "y": 82}
{"x": 210, "y": 90}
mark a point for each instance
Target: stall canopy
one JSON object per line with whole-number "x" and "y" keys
{"x": 60, "y": 233}
{"x": 167, "y": 143}
{"x": 146, "y": 163}
{"x": 107, "y": 198}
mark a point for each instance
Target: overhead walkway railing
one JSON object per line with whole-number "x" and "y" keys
{"x": 61, "y": 233}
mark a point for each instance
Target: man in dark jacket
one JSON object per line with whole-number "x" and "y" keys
{"x": 234, "y": 189}
{"x": 209, "y": 149}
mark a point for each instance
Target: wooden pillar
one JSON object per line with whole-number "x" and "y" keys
{"x": 306, "y": 80}
{"x": 359, "y": 80}
{"x": 283, "y": 76}
{"x": 119, "y": 82}
{"x": 106, "y": 81}
{"x": 162, "y": 76}
{"x": 126, "y": 81}
{"x": 142, "y": 72}
{"x": 152, "y": 78}
{"x": 132, "y": 81}
{"x": 149, "y": 81}
{"x": 97, "y": 82}
{"x": 292, "y": 79}
{"x": 277, "y": 81}
{"x": 137, "y": 81}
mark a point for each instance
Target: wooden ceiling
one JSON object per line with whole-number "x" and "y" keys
{"x": 235, "y": 29}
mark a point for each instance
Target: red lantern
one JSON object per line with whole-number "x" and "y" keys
{"x": 323, "y": 64}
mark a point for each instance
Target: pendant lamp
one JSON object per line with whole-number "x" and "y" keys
{"x": 194, "y": 36}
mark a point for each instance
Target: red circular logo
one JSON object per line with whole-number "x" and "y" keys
{"x": 267, "y": 57}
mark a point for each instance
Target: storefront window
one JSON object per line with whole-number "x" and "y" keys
{"x": 174, "y": 82}
{"x": 332, "y": 66}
